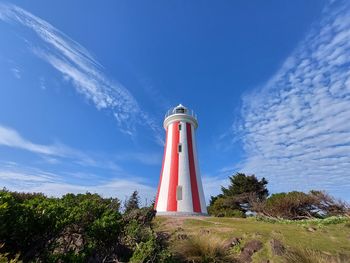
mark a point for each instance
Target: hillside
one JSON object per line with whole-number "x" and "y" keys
{"x": 280, "y": 241}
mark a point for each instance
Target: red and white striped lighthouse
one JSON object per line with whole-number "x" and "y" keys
{"x": 180, "y": 190}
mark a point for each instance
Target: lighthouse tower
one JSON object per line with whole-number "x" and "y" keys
{"x": 180, "y": 190}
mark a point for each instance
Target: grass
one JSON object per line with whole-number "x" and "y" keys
{"x": 298, "y": 255}
{"x": 327, "y": 241}
{"x": 207, "y": 249}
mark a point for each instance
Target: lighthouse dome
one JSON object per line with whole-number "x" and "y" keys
{"x": 180, "y": 109}
{"x": 180, "y": 113}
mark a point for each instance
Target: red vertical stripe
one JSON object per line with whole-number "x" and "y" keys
{"x": 174, "y": 169}
{"x": 161, "y": 171}
{"x": 193, "y": 177}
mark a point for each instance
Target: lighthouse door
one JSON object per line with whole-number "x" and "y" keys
{"x": 179, "y": 193}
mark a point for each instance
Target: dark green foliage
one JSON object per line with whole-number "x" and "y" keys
{"x": 140, "y": 237}
{"x": 132, "y": 203}
{"x": 236, "y": 199}
{"x": 76, "y": 228}
{"x": 151, "y": 250}
{"x": 222, "y": 207}
{"x": 243, "y": 184}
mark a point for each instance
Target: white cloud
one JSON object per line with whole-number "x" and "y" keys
{"x": 52, "y": 153}
{"x": 16, "y": 73}
{"x": 296, "y": 128}
{"x": 27, "y": 179}
{"x": 212, "y": 185}
{"x": 11, "y": 138}
{"x": 78, "y": 66}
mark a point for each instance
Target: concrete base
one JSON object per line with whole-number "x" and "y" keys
{"x": 180, "y": 214}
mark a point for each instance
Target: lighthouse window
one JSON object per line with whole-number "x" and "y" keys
{"x": 180, "y": 110}
{"x": 179, "y": 127}
{"x": 179, "y": 148}
{"x": 179, "y": 193}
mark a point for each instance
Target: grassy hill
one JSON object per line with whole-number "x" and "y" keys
{"x": 202, "y": 239}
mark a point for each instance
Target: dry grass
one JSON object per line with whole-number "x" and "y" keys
{"x": 325, "y": 243}
{"x": 203, "y": 249}
{"x": 300, "y": 255}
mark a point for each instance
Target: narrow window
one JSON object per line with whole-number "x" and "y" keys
{"x": 179, "y": 193}
{"x": 179, "y": 148}
{"x": 180, "y": 127}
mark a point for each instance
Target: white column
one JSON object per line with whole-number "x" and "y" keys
{"x": 186, "y": 204}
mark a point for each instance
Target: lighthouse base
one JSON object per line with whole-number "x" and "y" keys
{"x": 180, "y": 214}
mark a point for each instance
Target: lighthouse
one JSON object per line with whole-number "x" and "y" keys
{"x": 180, "y": 190}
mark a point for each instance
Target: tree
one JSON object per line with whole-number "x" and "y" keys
{"x": 242, "y": 184}
{"x": 237, "y": 197}
{"x": 133, "y": 202}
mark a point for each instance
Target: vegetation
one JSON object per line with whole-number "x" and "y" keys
{"x": 76, "y": 228}
{"x": 237, "y": 198}
{"x": 299, "y": 205}
{"x": 284, "y": 227}
{"x": 282, "y": 241}
{"x": 132, "y": 203}
{"x": 301, "y": 255}
{"x": 246, "y": 194}
{"x": 207, "y": 249}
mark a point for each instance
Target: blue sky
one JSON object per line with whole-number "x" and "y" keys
{"x": 84, "y": 87}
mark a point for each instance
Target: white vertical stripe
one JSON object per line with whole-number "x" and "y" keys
{"x": 199, "y": 180}
{"x": 186, "y": 204}
{"x": 164, "y": 184}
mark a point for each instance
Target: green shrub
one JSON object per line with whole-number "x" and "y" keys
{"x": 222, "y": 207}
{"x": 107, "y": 228}
{"x": 75, "y": 228}
{"x": 151, "y": 251}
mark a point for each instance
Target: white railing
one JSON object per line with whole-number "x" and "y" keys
{"x": 188, "y": 112}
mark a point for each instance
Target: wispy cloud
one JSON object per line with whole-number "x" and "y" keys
{"x": 11, "y": 138}
{"x": 296, "y": 128}
{"x": 81, "y": 68}
{"x": 52, "y": 153}
{"x": 16, "y": 73}
{"x": 26, "y": 179}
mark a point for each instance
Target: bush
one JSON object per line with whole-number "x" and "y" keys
{"x": 75, "y": 228}
{"x": 225, "y": 207}
{"x": 151, "y": 251}
{"x": 298, "y": 205}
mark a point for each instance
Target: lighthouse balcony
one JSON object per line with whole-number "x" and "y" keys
{"x": 180, "y": 113}
{"x": 180, "y": 110}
